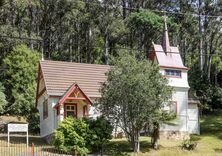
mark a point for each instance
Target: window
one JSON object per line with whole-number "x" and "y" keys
{"x": 71, "y": 110}
{"x": 45, "y": 109}
{"x": 173, "y": 106}
{"x": 85, "y": 111}
{"x": 174, "y": 73}
{"x": 58, "y": 110}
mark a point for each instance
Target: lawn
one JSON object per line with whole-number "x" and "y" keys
{"x": 209, "y": 142}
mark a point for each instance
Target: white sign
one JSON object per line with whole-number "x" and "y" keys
{"x": 18, "y": 128}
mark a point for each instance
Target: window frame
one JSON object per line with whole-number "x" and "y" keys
{"x": 45, "y": 109}
{"x": 176, "y": 105}
{"x": 85, "y": 111}
{"x": 74, "y": 110}
{"x": 173, "y": 71}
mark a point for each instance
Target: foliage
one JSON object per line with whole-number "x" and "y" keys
{"x": 33, "y": 120}
{"x": 72, "y": 136}
{"x": 134, "y": 95}
{"x": 3, "y": 101}
{"x": 89, "y": 134}
{"x": 189, "y": 145}
{"x": 101, "y": 131}
{"x": 20, "y": 79}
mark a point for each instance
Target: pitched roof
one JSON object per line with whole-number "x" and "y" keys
{"x": 166, "y": 55}
{"x": 70, "y": 90}
{"x": 59, "y": 76}
{"x": 171, "y": 59}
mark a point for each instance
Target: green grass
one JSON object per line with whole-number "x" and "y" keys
{"x": 209, "y": 142}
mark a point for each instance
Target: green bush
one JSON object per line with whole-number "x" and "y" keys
{"x": 81, "y": 136}
{"x": 101, "y": 133}
{"x": 33, "y": 120}
{"x": 189, "y": 145}
{"x": 72, "y": 136}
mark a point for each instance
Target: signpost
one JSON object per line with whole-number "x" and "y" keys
{"x": 18, "y": 128}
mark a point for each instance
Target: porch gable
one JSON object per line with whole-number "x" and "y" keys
{"x": 74, "y": 93}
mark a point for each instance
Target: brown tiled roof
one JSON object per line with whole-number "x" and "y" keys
{"x": 59, "y": 76}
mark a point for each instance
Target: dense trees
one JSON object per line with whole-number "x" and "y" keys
{"x": 3, "y": 101}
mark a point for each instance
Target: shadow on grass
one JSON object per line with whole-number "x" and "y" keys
{"x": 51, "y": 150}
{"x": 22, "y": 140}
{"x": 195, "y": 138}
{"x": 211, "y": 125}
{"x": 123, "y": 147}
{"x": 218, "y": 150}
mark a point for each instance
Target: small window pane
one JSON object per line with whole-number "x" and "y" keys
{"x": 176, "y": 73}
{"x": 45, "y": 109}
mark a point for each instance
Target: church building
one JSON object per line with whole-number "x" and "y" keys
{"x": 70, "y": 89}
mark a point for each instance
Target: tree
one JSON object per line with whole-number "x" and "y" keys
{"x": 20, "y": 79}
{"x": 133, "y": 95}
{"x": 3, "y": 101}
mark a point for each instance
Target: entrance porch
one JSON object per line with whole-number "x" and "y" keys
{"x": 74, "y": 103}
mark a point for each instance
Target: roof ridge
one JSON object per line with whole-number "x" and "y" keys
{"x": 75, "y": 63}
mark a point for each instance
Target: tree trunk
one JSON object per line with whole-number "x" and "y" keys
{"x": 101, "y": 151}
{"x": 135, "y": 141}
{"x": 184, "y": 52}
{"x": 124, "y": 8}
{"x": 200, "y": 38}
{"x": 155, "y": 136}
{"x": 31, "y": 25}
{"x": 209, "y": 67}
{"x": 106, "y": 48}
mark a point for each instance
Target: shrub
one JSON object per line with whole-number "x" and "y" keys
{"x": 82, "y": 135}
{"x": 33, "y": 120}
{"x": 189, "y": 145}
{"x": 101, "y": 132}
{"x": 72, "y": 136}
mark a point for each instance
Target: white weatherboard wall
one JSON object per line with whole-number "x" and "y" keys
{"x": 180, "y": 96}
{"x": 193, "y": 119}
{"x": 47, "y": 125}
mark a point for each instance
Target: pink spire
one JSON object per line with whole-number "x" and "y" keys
{"x": 165, "y": 41}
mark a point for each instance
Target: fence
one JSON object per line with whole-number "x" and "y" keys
{"x": 18, "y": 147}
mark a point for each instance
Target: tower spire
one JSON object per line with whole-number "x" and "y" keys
{"x": 165, "y": 41}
